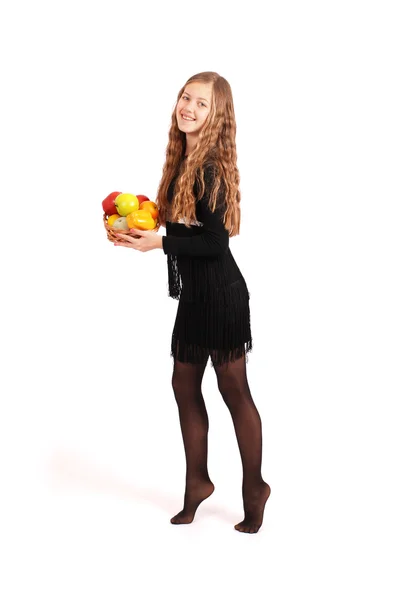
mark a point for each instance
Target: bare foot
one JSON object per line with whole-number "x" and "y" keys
{"x": 194, "y": 494}
{"x": 254, "y": 506}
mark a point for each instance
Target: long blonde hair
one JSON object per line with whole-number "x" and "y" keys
{"x": 216, "y": 147}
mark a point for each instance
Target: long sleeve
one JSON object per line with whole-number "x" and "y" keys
{"x": 213, "y": 240}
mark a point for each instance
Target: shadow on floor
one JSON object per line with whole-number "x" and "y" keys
{"x": 68, "y": 469}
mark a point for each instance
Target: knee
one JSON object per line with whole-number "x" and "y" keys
{"x": 176, "y": 383}
{"x": 180, "y": 385}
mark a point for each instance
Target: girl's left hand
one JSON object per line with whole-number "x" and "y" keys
{"x": 149, "y": 240}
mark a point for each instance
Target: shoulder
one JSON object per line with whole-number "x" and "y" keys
{"x": 210, "y": 170}
{"x": 211, "y": 173}
{"x": 213, "y": 191}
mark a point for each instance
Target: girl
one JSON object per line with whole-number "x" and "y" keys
{"x": 198, "y": 201}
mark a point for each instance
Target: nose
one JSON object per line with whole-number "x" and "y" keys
{"x": 189, "y": 108}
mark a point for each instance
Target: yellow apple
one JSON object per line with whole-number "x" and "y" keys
{"x": 126, "y": 203}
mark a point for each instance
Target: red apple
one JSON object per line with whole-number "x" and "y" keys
{"x": 108, "y": 203}
{"x": 142, "y": 198}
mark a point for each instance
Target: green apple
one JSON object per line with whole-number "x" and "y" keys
{"x": 126, "y": 203}
{"x": 121, "y": 223}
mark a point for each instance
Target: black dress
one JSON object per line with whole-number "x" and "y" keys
{"x": 213, "y": 315}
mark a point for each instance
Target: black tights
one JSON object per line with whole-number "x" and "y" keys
{"x": 233, "y": 385}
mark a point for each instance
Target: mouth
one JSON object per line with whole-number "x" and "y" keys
{"x": 187, "y": 118}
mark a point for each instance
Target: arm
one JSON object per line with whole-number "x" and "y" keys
{"x": 214, "y": 237}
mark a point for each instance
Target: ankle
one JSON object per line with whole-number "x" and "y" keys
{"x": 197, "y": 478}
{"x": 253, "y": 482}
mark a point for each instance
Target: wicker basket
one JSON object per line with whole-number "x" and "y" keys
{"x": 112, "y": 233}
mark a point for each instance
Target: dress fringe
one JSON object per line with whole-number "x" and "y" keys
{"x": 219, "y": 328}
{"x": 174, "y": 285}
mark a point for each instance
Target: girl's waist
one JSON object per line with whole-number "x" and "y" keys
{"x": 223, "y": 294}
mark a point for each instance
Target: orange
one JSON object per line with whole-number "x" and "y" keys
{"x": 140, "y": 219}
{"x": 151, "y": 207}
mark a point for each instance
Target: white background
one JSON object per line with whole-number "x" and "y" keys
{"x": 92, "y": 461}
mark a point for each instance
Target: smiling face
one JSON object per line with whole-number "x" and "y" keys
{"x": 195, "y": 104}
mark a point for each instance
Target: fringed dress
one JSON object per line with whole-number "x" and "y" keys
{"x": 213, "y": 315}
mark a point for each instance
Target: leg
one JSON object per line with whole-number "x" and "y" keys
{"x": 186, "y": 382}
{"x": 233, "y": 386}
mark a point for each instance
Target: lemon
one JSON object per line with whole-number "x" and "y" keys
{"x": 112, "y": 218}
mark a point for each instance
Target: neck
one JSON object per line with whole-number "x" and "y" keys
{"x": 190, "y": 143}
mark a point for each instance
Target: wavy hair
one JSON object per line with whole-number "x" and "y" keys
{"x": 216, "y": 147}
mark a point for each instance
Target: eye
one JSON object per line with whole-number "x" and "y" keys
{"x": 203, "y": 104}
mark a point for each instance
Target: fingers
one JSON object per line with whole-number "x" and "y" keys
{"x": 136, "y": 242}
{"x": 125, "y": 240}
{"x": 130, "y": 243}
{"x": 125, "y": 236}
